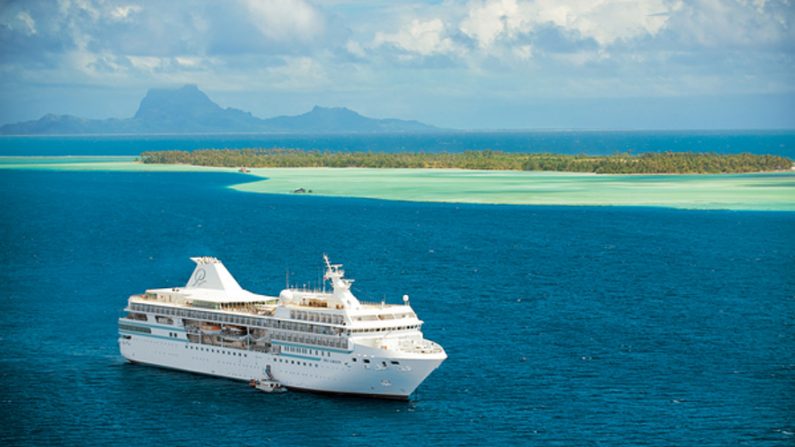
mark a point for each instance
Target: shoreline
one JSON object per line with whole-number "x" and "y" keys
{"x": 761, "y": 191}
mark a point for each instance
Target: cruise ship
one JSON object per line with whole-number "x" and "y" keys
{"x": 322, "y": 340}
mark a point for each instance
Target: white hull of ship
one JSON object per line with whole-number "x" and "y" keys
{"x": 334, "y": 371}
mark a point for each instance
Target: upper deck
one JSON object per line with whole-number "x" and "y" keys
{"x": 212, "y": 288}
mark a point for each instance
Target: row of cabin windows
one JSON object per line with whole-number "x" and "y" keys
{"x": 386, "y": 329}
{"x": 218, "y": 351}
{"x": 317, "y": 317}
{"x": 307, "y": 351}
{"x": 310, "y": 340}
{"x": 131, "y": 328}
{"x": 296, "y": 362}
{"x": 235, "y": 319}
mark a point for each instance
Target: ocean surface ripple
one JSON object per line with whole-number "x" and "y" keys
{"x": 564, "y": 325}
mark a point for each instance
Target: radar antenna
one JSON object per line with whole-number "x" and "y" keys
{"x": 336, "y": 275}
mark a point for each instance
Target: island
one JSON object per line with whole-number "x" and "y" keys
{"x": 769, "y": 191}
{"x": 620, "y": 163}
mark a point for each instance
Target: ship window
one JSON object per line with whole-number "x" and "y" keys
{"x": 354, "y": 359}
{"x": 131, "y": 328}
{"x": 395, "y": 362}
{"x": 366, "y": 360}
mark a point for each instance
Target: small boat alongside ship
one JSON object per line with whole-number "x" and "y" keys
{"x": 267, "y": 386}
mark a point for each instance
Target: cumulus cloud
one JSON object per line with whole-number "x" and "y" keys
{"x": 423, "y": 37}
{"x": 487, "y": 21}
{"x": 606, "y": 21}
{"x": 506, "y": 22}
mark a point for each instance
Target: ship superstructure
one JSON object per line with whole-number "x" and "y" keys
{"x": 317, "y": 340}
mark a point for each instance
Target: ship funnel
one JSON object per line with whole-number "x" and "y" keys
{"x": 210, "y": 273}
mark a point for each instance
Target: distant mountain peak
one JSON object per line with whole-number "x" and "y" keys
{"x": 162, "y": 102}
{"x": 187, "y": 109}
{"x": 333, "y": 111}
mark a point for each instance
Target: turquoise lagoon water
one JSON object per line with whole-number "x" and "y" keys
{"x": 564, "y": 325}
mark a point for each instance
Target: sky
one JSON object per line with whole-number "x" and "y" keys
{"x": 479, "y": 64}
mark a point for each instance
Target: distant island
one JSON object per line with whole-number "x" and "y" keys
{"x": 189, "y": 110}
{"x": 623, "y": 163}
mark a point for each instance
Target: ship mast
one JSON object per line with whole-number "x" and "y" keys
{"x": 341, "y": 286}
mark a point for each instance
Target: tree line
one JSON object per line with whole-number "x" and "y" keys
{"x": 619, "y": 163}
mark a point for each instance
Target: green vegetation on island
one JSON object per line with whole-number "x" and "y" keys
{"x": 621, "y": 163}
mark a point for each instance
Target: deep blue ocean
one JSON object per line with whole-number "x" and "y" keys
{"x": 575, "y": 326}
{"x": 564, "y": 142}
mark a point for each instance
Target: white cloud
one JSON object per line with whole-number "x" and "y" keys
{"x": 605, "y": 21}
{"x": 188, "y": 62}
{"x": 27, "y": 23}
{"x": 489, "y": 20}
{"x": 123, "y": 12}
{"x": 285, "y": 20}
{"x": 423, "y": 37}
{"x": 146, "y": 63}
{"x": 608, "y": 21}
{"x": 506, "y": 28}
{"x": 21, "y": 22}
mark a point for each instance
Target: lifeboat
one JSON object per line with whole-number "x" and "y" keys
{"x": 210, "y": 329}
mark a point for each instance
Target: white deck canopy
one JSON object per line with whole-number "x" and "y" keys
{"x": 210, "y": 273}
{"x": 212, "y": 282}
